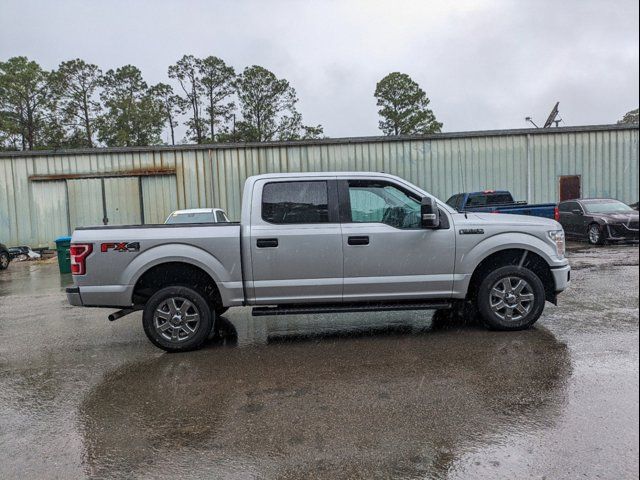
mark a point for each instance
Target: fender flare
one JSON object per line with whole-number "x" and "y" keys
{"x": 507, "y": 241}
{"x": 180, "y": 253}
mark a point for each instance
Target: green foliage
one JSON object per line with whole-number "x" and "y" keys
{"x": 75, "y": 85}
{"x": 25, "y": 103}
{"x": 187, "y": 72}
{"x": 218, "y": 84}
{"x": 630, "y": 118}
{"x": 170, "y": 104}
{"x": 77, "y": 106}
{"x": 132, "y": 116}
{"x": 404, "y": 107}
{"x": 268, "y": 107}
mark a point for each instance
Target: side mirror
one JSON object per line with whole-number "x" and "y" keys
{"x": 429, "y": 213}
{"x": 576, "y": 211}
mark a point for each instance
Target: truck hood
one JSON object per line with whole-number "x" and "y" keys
{"x": 510, "y": 220}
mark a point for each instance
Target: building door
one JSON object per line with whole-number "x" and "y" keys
{"x": 122, "y": 200}
{"x": 570, "y": 188}
{"x": 85, "y": 202}
{"x": 104, "y": 201}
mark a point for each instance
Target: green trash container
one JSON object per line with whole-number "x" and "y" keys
{"x": 64, "y": 260}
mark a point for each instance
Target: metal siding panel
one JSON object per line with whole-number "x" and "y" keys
{"x": 85, "y": 202}
{"x": 607, "y": 160}
{"x": 50, "y": 205}
{"x": 159, "y": 198}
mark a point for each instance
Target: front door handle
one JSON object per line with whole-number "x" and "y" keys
{"x": 358, "y": 241}
{"x": 267, "y": 242}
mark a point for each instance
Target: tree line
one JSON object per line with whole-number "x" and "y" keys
{"x": 77, "y": 105}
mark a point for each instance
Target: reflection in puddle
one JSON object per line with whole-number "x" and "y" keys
{"x": 334, "y": 399}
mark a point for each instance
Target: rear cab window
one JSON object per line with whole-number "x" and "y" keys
{"x": 488, "y": 199}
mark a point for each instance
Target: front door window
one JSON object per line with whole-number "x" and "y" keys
{"x": 379, "y": 202}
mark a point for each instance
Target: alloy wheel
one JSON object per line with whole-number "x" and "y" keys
{"x": 594, "y": 234}
{"x": 176, "y": 319}
{"x": 511, "y": 298}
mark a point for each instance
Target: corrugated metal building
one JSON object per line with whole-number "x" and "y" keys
{"x": 46, "y": 194}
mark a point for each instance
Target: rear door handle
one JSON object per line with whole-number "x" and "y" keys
{"x": 358, "y": 241}
{"x": 267, "y": 242}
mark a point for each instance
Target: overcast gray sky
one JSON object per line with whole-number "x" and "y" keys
{"x": 485, "y": 65}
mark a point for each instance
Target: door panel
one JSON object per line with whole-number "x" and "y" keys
{"x": 397, "y": 264}
{"x": 295, "y": 262}
{"x": 85, "y": 202}
{"x": 399, "y": 259}
{"x": 122, "y": 200}
{"x": 572, "y": 223}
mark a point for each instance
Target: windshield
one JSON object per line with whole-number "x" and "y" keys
{"x": 607, "y": 206}
{"x": 206, "y": 217}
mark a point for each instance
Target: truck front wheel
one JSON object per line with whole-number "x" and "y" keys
{"x": 511, "y": 298}
{"x": 177, "y": 319}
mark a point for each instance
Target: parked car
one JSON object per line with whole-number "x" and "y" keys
{"x": 322, "y": 243}
{"x": 500, "y": 201}
{"x": 198, "y": 215}
{"x": 5, "y": 257}
{"x": 599, "y": 220}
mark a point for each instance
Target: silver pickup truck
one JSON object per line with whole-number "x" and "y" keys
{"x": 322, "y": 243}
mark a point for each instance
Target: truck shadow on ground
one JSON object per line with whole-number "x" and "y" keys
{"x": 385, "y": 401}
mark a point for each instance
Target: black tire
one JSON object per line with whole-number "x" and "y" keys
{"x": 162, "y": 311}
{"x": 598, "y": 234}
{"x": 221, "y": 311}
{"x": 4, "y": 260}
{"x": 488, "y": 299}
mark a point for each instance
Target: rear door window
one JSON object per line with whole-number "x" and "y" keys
{"x": 295, "y": 202}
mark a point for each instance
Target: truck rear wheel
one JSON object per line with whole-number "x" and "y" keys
{"x": 511, "y": 298}
{"x": 177, "y": 319}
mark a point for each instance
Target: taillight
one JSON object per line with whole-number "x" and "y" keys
{"x": 556, "y": 214}
{"x": 79, "y": 253}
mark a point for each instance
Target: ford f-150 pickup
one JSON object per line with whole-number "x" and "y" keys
{"x": 319, "y": 243}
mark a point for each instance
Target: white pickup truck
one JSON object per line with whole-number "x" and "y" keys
{"x": 320, "y": 243}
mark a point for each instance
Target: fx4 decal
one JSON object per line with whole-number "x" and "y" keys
{"x": 120, "y": 247}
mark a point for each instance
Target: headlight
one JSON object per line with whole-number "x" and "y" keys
{"x": 557, "y": 237}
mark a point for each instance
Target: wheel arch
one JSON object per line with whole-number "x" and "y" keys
{"x": 178, "y": 254}
{"x": 514, "y": 256}
{"x": 177, "y": 273}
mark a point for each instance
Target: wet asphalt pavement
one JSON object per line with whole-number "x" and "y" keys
{"x": 389, "y": 395}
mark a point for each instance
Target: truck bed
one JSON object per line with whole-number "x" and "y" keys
{"x": 547, "y": 210}
{"x": 122, "y": 253}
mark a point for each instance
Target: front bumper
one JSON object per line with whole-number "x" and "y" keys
{"x": 621, "y": 232}
{"x": 73, "y": 296}
{"x": 561, "y": 277}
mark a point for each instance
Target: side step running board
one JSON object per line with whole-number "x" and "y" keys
{"x": 347, "y": 308}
